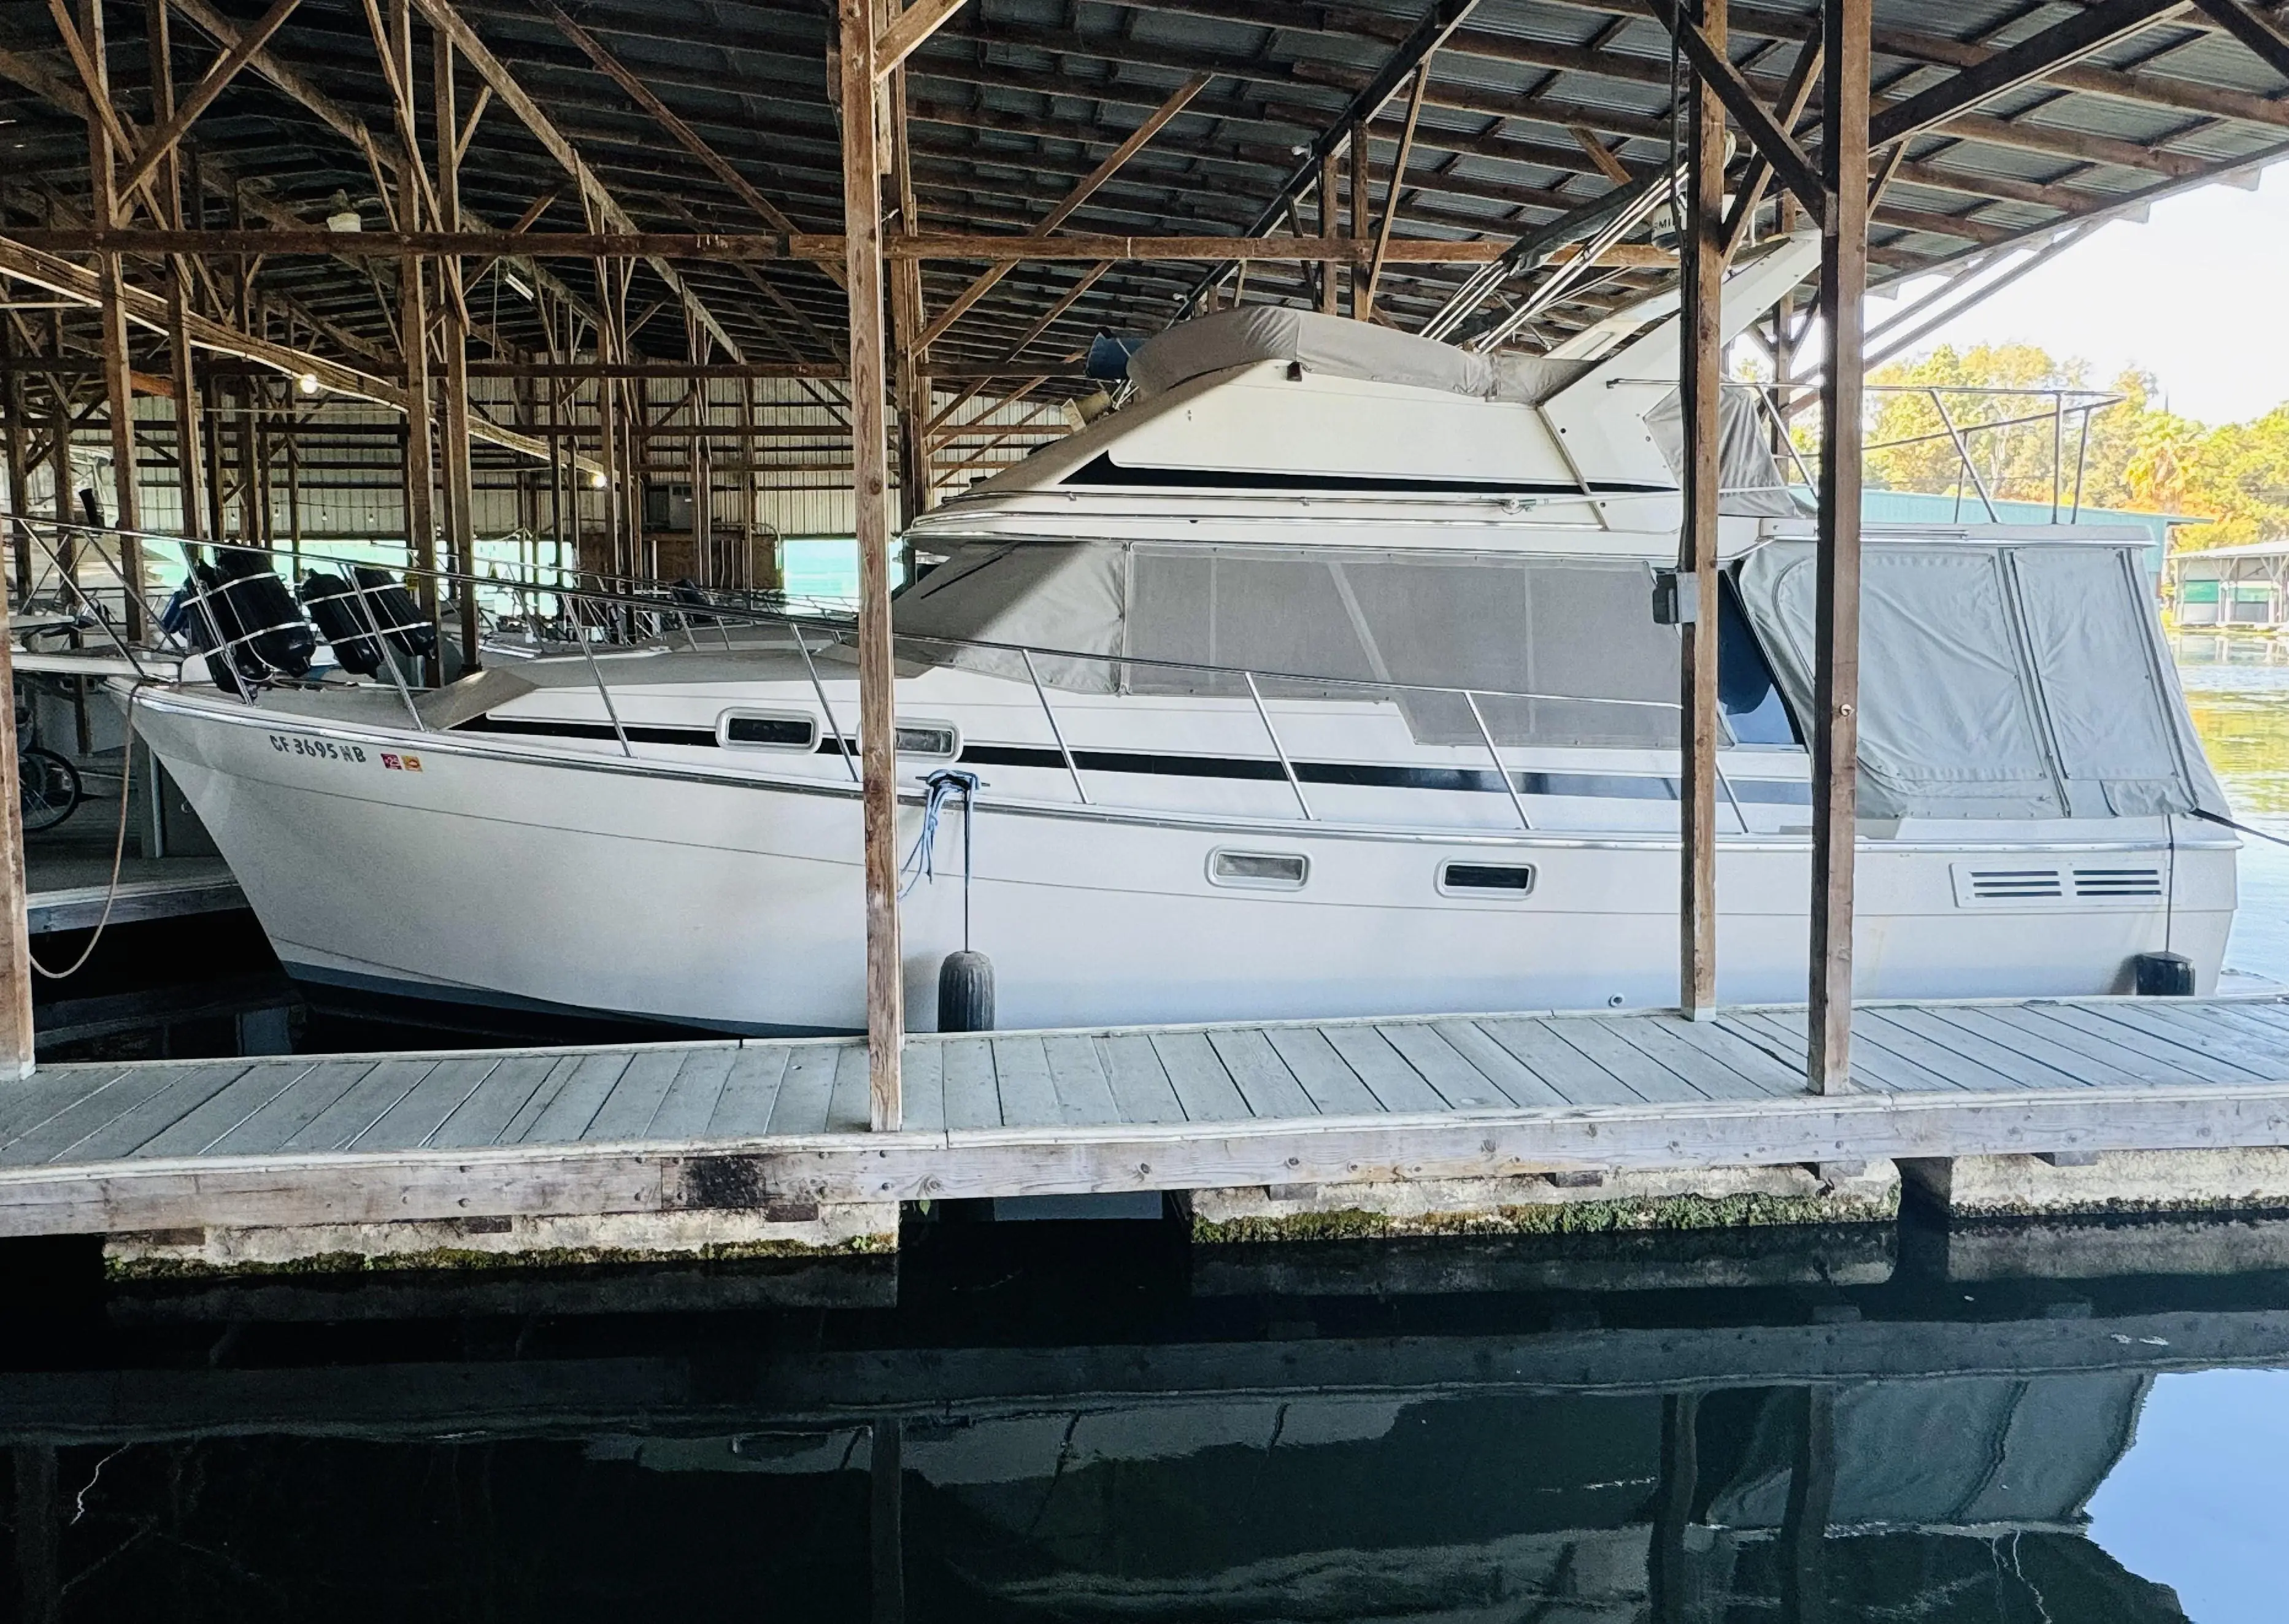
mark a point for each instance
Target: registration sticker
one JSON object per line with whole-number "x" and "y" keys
{"x": 401, "y": 763}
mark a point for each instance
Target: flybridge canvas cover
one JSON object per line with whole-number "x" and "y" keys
{"x": 1749, "y": 481}
{"x": 1997, "y": 681}
{"x": 1341, "y": 348}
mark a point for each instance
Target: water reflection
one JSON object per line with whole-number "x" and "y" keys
{"x": 1925, "y": 1447}
{"x": 2237, "y": 689}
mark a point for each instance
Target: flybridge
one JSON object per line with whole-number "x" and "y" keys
{"x": 1282, "y": 402}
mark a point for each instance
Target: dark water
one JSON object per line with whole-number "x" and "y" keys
{"x": 2062, "y": 1423}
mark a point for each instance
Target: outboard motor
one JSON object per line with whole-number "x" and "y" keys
{"x": 399, "y": 618}
{"x": 333, "y": 604}
{"x": 266, "y": 613}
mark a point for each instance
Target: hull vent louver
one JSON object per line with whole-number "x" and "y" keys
{"x": 1999, "y": 885}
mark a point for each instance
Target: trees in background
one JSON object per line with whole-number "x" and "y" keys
{"x": 2138, "y": 455}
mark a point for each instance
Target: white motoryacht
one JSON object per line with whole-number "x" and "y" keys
{"x": 1322, "y": 677}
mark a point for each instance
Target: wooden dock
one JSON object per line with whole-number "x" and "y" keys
{"x": 706, "y": 1137}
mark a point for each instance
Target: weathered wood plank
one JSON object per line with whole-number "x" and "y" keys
{"x": 1084, "y": 1093}
{"x": 1141, "y": 1090}
{"x": 849, "y": 1109}
{"x": 499, "y": 1102}
{"x": 1578, "y": 1080}
{"x": 1334, "y": 1087}
{"x": 973, "y": 1089}
{"x": 1652, "y": 1080}
{"x": 543, "y": 1093}
{"x": 635, "y": 1097}
{"x": 1396, "y": 1085}
{"x": 751, "y": 1088}
{"x": 2009, "y": 1035}
{"x": 1654, "y": 1037}
{"x": 2004, "y": 1068}
{"x": 1518, "y": 1081}
{"x": 2257, "y": 1022}
{"x": 690, "y": 1099}
{"x": 1203, "y": 1087}
{"x": 1724, "y": 1046}
{"x": 2265, "y": 1057}
{"x": 1029, "y": 1099}
{"x": 1875, "y": 1068}
{"x": 580, "y": 1097}
{"x": 806, "y": 1091}
{"x": 2138, "y": 1052}
{"x": 25, "y": 1105}
{"x": 116, "y": 1119}
{"x": 1263, "y": 1077}
{"x": 197, "y": 1130}
{"x": 415, "y": 1120}
{"x": 921, "y": 1083}
{"x": 1458, "y": 1082}
{"x": 362, "y": 1106}
{"x": 1889, "y": 1037}
{"x": 271, "y": 1126}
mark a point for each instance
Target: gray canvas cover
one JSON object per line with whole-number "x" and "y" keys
{"x": 1342, "y": 349}
{"x": 1060, "y": 595}
{"x": 1997, "y": 681}
{"x": 1748, "y": 479}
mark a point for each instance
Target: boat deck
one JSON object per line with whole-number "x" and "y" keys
{"x": 755, "y": 1125}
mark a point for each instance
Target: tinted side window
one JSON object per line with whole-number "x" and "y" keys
{"x": 1746, "y": 689}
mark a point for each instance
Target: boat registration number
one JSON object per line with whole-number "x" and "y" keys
{"x": 325, "y": 749}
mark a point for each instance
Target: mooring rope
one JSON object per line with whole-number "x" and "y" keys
{"x": 2212, "y": 817}
{"x": 118, "y": 852}
{"x": 921, "y": 862}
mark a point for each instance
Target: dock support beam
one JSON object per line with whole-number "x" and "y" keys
{"x": 1836, "y": 678}
{"x": 16, "y": 949}
{"x": 862, "y": 228}
{"x": 1702, "y": 336}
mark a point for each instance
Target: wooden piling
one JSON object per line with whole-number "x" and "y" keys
{"x": 1702, "y": 338}
{"x": 1836, "y": 677}
{"x": 861, "y": 226}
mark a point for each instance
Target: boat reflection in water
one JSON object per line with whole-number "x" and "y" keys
{"x": 1189, "y": 1447}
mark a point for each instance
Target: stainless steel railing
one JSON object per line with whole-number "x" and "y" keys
{"x": 634, "y": 613}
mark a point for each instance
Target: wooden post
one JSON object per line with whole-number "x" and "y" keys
{"x": 459, "y": 493}
{"x": 1701, "y": 340}
{"x": 1836, "y": 612}
{"x": 1330, "y": 183}
{"x": 20, "y": 463}
{"x": 16, "y": 959}
{"x": 1359, "y": 216}
{"x": 420, "y": 472}
{"x": 862, "y": 228}
{"x": 118, "y": 386}
{"x": 908, "y": 321}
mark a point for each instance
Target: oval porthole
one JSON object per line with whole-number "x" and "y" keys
{"x": 1487, "y": 879}
{"x": 1259, "y": 870}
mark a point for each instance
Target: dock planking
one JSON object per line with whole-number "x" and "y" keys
{"x": 305, "y": 1139}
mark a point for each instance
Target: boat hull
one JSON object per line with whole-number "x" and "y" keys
{"x": 463, "y": 868}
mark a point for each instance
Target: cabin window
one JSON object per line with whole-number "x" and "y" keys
{"x": 1259, "y": 870}
{"x": 1746, "y": 691}
{"x": 770, "y": 729}
{"x": 1496, "y": 879}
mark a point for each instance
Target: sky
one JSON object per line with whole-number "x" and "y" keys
{"x": 2201, "y": 1501}
{"x": 2198, "y": 296}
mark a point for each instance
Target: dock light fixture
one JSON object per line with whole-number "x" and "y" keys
{"x": 308, "y": 383}
{"x": 597, "y": 482}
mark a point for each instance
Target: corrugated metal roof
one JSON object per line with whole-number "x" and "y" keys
{"x": 1015, "y": 99}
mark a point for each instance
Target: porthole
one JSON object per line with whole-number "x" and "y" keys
{"x": 1259, "y": 870}
{"x": 770, "y": 729}
{"x": 1485, "y": 879}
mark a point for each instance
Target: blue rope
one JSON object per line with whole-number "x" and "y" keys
{"x": 943, "y": 785}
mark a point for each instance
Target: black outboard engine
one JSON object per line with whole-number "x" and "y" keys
{"x": 399, "y": 616}
{"x": 342, "y": 622}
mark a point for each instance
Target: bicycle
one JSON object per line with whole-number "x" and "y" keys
{"x": 48, "y": 786}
